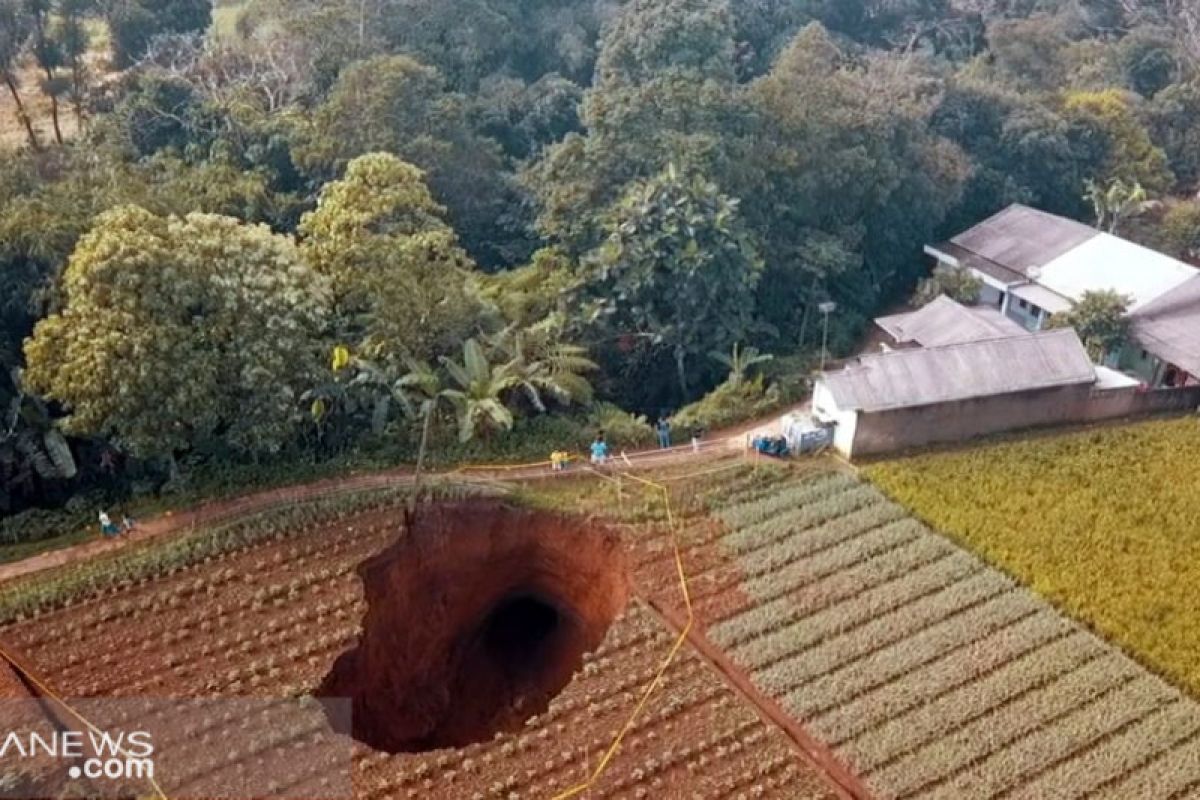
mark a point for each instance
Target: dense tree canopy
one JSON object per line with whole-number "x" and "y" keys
{"x": 675, "y": 278}
{"x": 175, "y": 331}
{"x": 400, "y": 281}
{"x": 658, "y": 180}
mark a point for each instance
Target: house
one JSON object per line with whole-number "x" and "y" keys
{"x": 908, "y": 398}
{"x": 1034, "y": 264}
{"x": 944, "y": 322}
{"x": 1166, "y": 334}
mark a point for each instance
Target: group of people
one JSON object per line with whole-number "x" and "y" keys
{"x": 110, "y": 528}
{"x": 600, "y": 453}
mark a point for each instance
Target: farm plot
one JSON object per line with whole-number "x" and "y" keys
{"x": 267, "y": 607}
{"x": 928, "y": 673}
{"x": 1104, "y": 523}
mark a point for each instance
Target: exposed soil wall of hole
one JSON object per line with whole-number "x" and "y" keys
{"x": 476, "y": 619}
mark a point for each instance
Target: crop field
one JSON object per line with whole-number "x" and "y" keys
{"x": 1105, "y": 523}
{"x": 265, "y": 608}
{"x": 839, "y": 648}
{"x": 926, "y": 672}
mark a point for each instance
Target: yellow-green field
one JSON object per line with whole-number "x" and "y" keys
{"x": 1105, "y": 523}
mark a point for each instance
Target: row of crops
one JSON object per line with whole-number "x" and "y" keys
{"x": 263, "y": 608}
{"x": 1104, "y": 523}
{"x": 28, "y": 597}
{"x": 929, "y": 673}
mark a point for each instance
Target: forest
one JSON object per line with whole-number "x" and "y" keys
{"x": 240, "y": 238}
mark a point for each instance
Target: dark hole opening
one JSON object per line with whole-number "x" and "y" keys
{"x": 517, "y": 630}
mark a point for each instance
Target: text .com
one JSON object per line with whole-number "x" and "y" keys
{"x": 97, "y": 754}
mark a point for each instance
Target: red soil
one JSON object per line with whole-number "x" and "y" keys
{"x": 210, "y": 630}
{"x": 475, "y": 619}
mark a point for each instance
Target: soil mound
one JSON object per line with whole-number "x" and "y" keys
{"x": 476, "y": 618}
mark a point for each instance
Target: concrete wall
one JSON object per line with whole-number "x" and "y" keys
{"x": 825, "y": 409}
{"x": 906, "y": 428}
{"x": 1031, "y": 318}
{"x": 991, "y": 296}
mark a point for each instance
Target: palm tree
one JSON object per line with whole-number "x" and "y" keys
{"x": 741, "y": 362}
{"x": 480, "y": 388}
{"x": 1114, "y": 202}
{"x": 544, "y": 365}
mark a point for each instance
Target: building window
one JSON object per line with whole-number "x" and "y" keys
{"x": 1145, "y": 355}
{"x": 1022, "y": 305}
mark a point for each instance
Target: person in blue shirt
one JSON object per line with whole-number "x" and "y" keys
{"x": 664, "y": 431}
{"x": 599, "y": 449}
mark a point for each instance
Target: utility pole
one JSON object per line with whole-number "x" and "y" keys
{"x": 826, "y": 309}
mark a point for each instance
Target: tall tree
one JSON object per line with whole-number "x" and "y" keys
{"x": 400, "y": 280}
{"x": 74, "y": 42}
{"x": 677, "y": 273}
{"x": 664, "y": 92}
{"x": 397, "y": 105}
{"x": 47, "y": 54}
{"x": 177, "y": 332}
{"x": 134, "y": 24}
{"x": 15, "y": 29}
{"x": 1172, "y": 121}
{"x": 1132, "y": 157}
{"x": 1020, "y": 150}
{"x": 844, "y": 183}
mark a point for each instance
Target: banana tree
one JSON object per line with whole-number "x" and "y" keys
{"x": 740, "y": 362}
{"x": 478, "y": 391}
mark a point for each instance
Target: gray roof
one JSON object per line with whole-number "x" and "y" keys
{"x": 969, "y": 260}
{"x": 944, "y": 322}
{"x": 909, "y": 378}
{"x": 1020, "y": 237}
{"x": 1169, "y": 327}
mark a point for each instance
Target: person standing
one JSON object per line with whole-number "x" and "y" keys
{"x": 599, "y": 450}
{"x": 696, "y": 434}
{"x": 106, "y": 525}
{"x": 664, "y": 431}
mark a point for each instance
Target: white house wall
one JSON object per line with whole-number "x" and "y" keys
{"x": 826, "y": 410}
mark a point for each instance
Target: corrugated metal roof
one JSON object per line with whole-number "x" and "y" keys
{"x": 969, "y": 260}
{"x": 1020, "y": 237}
{"x": 910, "y": 378}
{"x": 944, "y": 322}
{"x": 1169, "y": 327}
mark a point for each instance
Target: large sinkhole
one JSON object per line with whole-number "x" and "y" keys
{"x": 476, "y": 618}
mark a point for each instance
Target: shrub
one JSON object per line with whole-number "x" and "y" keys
{"x": 958, "y": 284}
{"x": 37, "y": 525}
{"x": 620, "y": 427}
{"x": 730, "y": 404}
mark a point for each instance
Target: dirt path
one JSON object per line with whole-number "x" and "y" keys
{"x": 845, "y": 783}
{"x": 229, "y": 508}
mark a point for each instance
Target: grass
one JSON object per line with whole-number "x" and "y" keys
{"x": 23, "y": 550}
{"x": 225, "y": 19}
{"x": 1104, "y": 523}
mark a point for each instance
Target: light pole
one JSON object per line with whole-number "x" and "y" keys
{"x": 826, "y": 309}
